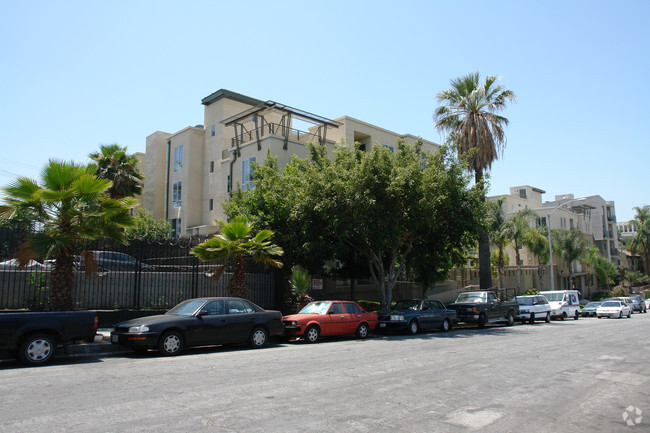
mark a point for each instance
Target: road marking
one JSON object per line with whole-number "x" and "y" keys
{"x": 473, "y": 418}
{"x": 626, "y": 378}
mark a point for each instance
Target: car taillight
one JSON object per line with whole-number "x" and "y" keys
{"x": 96, "y": 320}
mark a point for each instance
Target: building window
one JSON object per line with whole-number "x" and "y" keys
{"x": 210, "y": 204}
{"x": 213, "y": 130}
{"x": 247, "y": 174}
{"x": 177, "y": 193}
{"x": 391, "y": 148}
{"x": 178, "y": 158}
{"x": 211, "y": 166}
{"x": 175, "y": 227}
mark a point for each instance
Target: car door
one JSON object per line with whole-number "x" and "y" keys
{"x": 338, "y": 322}
{"x": 209, "y": 327}
{"x": 353, "y": 317}
{"x": 241, "y": 319}
{"x": 493, "y": 309}
{"x": 438, "y": 313}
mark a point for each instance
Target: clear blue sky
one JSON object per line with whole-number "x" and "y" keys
{"x": 77, "y": 74}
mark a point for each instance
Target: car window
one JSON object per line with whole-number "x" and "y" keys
{"x": 543, "y": 300}
{"x": 437, "y": 305}
{"x": 491, "y": 297}
{"x": 525, "y": 301}
{"x": 351, "y": 308}
{"x": 215, "y": 308}
{"x": 236, "y": 306}
{"x": 336, "y": 308}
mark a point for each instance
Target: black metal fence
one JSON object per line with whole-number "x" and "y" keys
{"x": 142, "y": 275}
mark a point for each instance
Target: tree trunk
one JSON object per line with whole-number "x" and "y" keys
{"x": 485, "y": 274}
{"x": 62, "y": 293}
{"x": 237, "y": 284}
{"x": 540, "y": 275}
{"x": 501, "y": 268}
{"x": 518, "y": 269}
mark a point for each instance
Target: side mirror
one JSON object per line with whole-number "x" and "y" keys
{"x": 202, "y": 313}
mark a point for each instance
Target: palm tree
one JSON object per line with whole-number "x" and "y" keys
{"x": 236, "y": 242}
{"x": 515, "y": 229}
{"x": 591, "y": 258}
{"x": 120, "y": 168}
{"x": 469, "y": 112}
{"x": 571, "y": 246}
{"x": 498, "y": 234}
{"x": 537, "y": 243}
{"x": 640, "y": 243}
{"x": 71, "y": 206}
{"x": 300, "y": 284}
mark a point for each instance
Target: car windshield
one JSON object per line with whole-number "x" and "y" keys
{"x": 554, "y": 296}
{"x": 611, "y": 304}
{"x": 636, "y": 299}
{"x": 471, "y": 297}
{"x": 593, "y": 304}
{"x": 186, "y": 308}
{"x": 525, "y": 301}
{"x": 315, "y": 308}
{"x": 407, "y": 305}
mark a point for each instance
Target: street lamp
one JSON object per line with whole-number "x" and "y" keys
{"x": 550, "y": 243}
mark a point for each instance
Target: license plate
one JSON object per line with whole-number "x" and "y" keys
{"x": 382, "y": 325}
{"x": 114, "y": 338}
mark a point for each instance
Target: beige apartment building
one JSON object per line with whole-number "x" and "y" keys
{"x": 189, "y": 173}
{"x": 593, "y": 216}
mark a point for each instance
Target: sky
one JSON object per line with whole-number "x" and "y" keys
{"x": 77, "y": 74}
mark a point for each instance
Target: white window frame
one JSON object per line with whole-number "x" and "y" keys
{"x": 247, "y": 173}
{"x": 177, "y": 193}
{"x": 178, "y": 158}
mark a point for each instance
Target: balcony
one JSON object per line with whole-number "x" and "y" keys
{"x": 273, "y": 129}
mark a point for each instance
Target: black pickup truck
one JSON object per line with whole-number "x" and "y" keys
{"x": 34, "y": 336}
{"x": 484, "y": 307}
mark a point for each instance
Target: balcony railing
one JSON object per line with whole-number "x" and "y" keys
{"x": 273, "y": 129}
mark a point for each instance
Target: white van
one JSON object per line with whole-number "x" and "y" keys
{"x": 564, "y": 303}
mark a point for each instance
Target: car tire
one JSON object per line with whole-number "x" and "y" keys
{"x": 37, "y": 349}
{"x": 258, "y": 338}
{"x": 576, "y": 316}
{"x": 510, "y": 319}
{"x": 312, "y": 334}
{"x": 532, "y": 318}
{"x": 600, "y": 317}
{"x": 362, "y": 331}
{"x": 170, "y": 343}
{"x": 563, "y": 316}
{"x": 629, "y": 315}
{"x": 620, "y": 314}
{"x": 446, "y": 325}
{"x": 482, "y": 320}
{"x": 413, "y": 327}
{"x": 548, "y": 318}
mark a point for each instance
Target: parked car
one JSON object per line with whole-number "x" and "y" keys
{"x": 614, "y": 309}
{"x": 564, "y": 303}
{"x": 329, "y": 318}
{"x": 34, "y": 336}
{"x": 483, "y": 308}
{"x": 533, "y": 307}
{"x": 624, "y": 299}
{"x": 413, "y": 315}
{"x": 638, "y": 304}
{"x": 115, "y": 261}
{"x": 589, "y": 310}
{"x": 200, "y": 322}
{"x": 15, "y": 264}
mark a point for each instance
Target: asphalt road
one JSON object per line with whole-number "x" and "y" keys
{"x": 568, "y": 376}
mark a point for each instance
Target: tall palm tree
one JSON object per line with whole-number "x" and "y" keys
{"x": 236, "y": 242}
{"x": 591, "y": 258}
{"x": 571, "y": 246}
{"x": 537, "y": 243}
{"x": 641, "y": 241}
{"x": 498, "y": 235}
{"x": 469, "y": 112}
{"x": 71, "y": 206}
{"x": 114, "y": 164}
{"x": 516, "y": 228}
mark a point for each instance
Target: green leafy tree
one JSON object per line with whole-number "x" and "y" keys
{"x": 236, "y": 241}
{"x": 640, "y": 243}
{"x": 591, "y": 258}
{"x": 571, "y": 246}
{"x": 537, "y": 243}
{"x": 147, "y": 227}
{"x": 498, "y": 236}
{"x": 114, "y": 164}
{"x": 71, "y": 206}
{"x": 516, "y": 229}
{"x": 468, "y": 111}
{"x": 300, "y": 284}
{"x": 392, "y": 213}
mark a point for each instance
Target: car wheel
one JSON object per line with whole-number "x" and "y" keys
{"x": 532, "y": 318}
{"x": 548, "y": 318}
{"x": 629, "y": 315}
{"x": 576, "y": 316}
{"x": 413, "y": 327}
{"x": 312, "y": 334}
{"x": 600, "y": 317}
{"x": 510, "y": 319}
{"x": 258, "y": 338}
{"x": 563, "y": 316}
{"x": 171, "y": 343}
{"x": 620, "y": 314}
{"x": 362, "y": 331}
{"x": 37, "y": 349}
{"x": 446, "y": 325}
{"x": 482, "y": 320}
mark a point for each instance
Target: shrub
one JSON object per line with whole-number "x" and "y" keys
{"x": 370, "y": 306}
{"x": 531, "y": 292}
{"x": 619, "y": 291}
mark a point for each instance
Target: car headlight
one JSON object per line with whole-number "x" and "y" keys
{"x": 396, "y": 318}
{"x": 293, "y": 323}
{"x": 138, "y": 329}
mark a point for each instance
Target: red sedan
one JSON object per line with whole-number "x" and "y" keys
{"x": 326, "y": 318}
